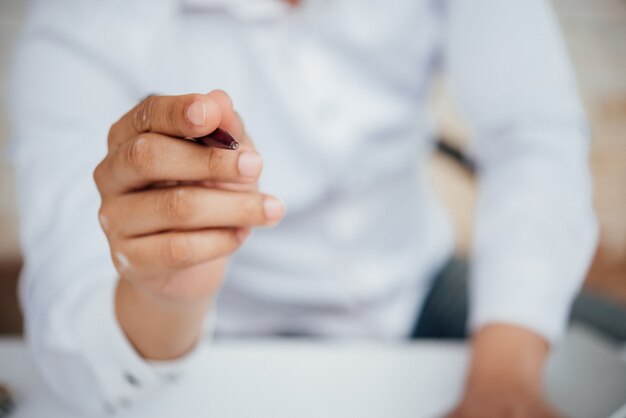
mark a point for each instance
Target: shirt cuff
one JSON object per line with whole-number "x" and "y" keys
{"x": 528, "y": 294}
{"x": 123, "y": 375}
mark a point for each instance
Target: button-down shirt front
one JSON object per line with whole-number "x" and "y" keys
{"x": 335, "y": 94}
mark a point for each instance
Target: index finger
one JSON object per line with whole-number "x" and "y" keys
{"x": 188, "y": 115}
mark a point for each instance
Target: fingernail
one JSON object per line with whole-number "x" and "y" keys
{"x": 196, "y": 114}
{"x": 273, "y": 208}
{"x": 250, "y": 164}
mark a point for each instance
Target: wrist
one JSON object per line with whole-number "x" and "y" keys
{"x": 158, "y": 327}
{"x": 508, "y": 355}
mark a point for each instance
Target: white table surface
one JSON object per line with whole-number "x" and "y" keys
{"x": 299, "y": 379}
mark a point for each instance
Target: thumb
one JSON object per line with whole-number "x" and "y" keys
{"x": 231, "y": 121}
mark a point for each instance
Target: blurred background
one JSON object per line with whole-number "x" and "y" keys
{"x": 595, "y": 32}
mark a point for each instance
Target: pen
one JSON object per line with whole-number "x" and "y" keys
{"x": 219, "y": 138}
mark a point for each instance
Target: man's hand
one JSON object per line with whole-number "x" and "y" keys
{"x": 173, "y": 211}
{"x": 506, "y": 375}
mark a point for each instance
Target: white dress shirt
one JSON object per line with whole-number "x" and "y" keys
{"x": 336, "y": 95}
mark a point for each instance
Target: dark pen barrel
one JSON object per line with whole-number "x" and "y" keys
{"x": 219, "y": 139}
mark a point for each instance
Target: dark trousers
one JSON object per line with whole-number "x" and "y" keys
{"x": 444, "y": 313}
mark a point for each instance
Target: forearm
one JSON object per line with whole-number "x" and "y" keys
{"x": 158, "y": 328}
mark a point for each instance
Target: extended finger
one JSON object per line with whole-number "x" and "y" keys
{"x": 188, "y": 208}
{"x": 173, "y": 251}
{"x": 152, "y": 158}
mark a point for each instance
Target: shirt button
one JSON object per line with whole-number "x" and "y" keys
{"x": 132, "y": 380}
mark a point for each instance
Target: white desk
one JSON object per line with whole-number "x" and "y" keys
{"x": 299, "y": 379}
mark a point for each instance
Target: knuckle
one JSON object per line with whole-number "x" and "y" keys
{"x": 215, "y": 162}
{"x": 98, "y": 175}
{"x": 143, "y": 115}
{"x": 114, "y": 135}
{"x": 176, "y": 205}
{"x": 177, "y": 250}
{"x": 101, "y": 175}
{"x": 103, "y": 217}
{"x": 120, "y": 259}
{"x": 104, "y": 213}
{"x": 172, "y": 115}
{"x": 107, "y": 219}
{"x": 141, "y": 155}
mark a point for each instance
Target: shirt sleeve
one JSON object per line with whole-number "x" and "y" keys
{"x": 66, "y": 92}
{"x": 535, "y": 230}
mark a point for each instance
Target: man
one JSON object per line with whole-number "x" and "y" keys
{"x": 334, "y": 99}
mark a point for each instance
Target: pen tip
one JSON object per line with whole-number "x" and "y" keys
{"x": 234, "y": 145}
